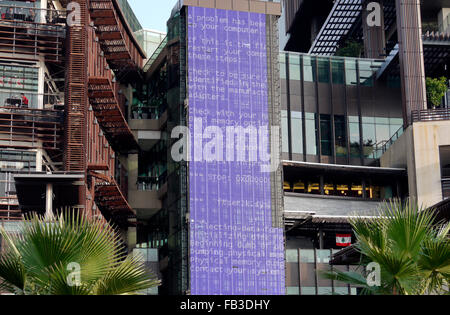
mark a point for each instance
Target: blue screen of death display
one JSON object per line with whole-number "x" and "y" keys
{"x": 234, "y": 247}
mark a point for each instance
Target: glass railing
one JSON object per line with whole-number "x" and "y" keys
{"x": 155, "y": 54}
{"x": 32, "y": 100}
{"x": 151, "y": 183}
{"x": 32, "y": 15}
{"x": 338, "y": 70}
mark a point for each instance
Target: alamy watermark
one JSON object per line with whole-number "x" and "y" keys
{"x": 227, "y": 144}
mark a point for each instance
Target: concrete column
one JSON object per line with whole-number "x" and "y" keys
{"x": 412, "y": 69}
{"x": 373, "y": 29}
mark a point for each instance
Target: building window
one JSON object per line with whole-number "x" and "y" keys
{"x": 338, "y": 71}
{"x": 282, "y": 60}
{"x": 294, "y": 67}
{"x": 292, "y": 255}
{"x": 323, "y": 66}
{"x": 311, "y": 132}
{"x": 297, "y": 132}
{"x": 309, "y": 68}
{"x": 340, "y": 135}
{"x": 293, "y": 290}
{"x": 285, "y": 132}
{"x": 325, "y": 134}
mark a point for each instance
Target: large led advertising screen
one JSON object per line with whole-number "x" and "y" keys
{"x": 234, "y": 247}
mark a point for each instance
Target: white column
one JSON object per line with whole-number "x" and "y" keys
{"x": 49, "y": 202}
{"x": 43, "y": 13}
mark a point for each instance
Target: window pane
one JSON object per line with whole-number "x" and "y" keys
{"x": 324, "y": 70}
{"x": 325, "y": 133}
{"x": 284, "y": 130}
{"x": 369, "y": 139}
{"x": 350, "y": 71}
{"x": 292, "y": 255}
{"x": 297, "y": 132}
{"x": 354, "y": 140}
{"x": 338, "y": 71}
{"x": 309, "y": 68}
{"x": 307, "y": 255}
{"x": 294, "y": 72}
{"x": 311, "y": 143}
{"x": 293, "y": 290}
{"x": 308, "y": 291}
{"x": 340, "y": 135}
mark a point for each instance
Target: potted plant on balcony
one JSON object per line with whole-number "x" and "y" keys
{"x": 436, "y": 89}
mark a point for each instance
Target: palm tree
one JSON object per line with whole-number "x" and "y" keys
{"x": 44, "y": 258}
{"x": 413, "y": 251}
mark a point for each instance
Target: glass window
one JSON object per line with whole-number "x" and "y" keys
{"x": 338, "y": 68}
{"x": 292, "y": 255}
{"x": 294, "y": 67}
{"x": 308, "y": 291}
{"x": 309, "y": 70}
{"x": 354, "y": 140}
{"x": 325, "y": 133}
{"x": 350, "y": 72}
{"x": 341, "y": 290}
{"x": 311, "y": 131}
{"x": 323, "y": 66}
{"x": 284, "y": 130}
{"x": 324, "y": 291}
{"x": 369, "y": 139}
{"x": 283, "y": 70}
{"x": 307, "y": 255}
{"x": 383, "y": 133}
{"x": 365, "y": 73}
{"x": 293, "y": 291}
{"x": 323, "y": 256}
{"x": 340, "y": 135}
{"x": 297, "y": 132}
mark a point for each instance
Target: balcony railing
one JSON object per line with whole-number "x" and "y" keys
{"x": 431, "y": 114}
{"x": 32, "y": 31}
{"x": 446, "y": 187}
{"x": 152, "y": 183}
{"x": 22, "y": 127}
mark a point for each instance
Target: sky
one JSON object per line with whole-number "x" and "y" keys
{"x": 153, "y": 14}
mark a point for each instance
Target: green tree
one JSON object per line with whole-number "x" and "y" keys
{"x": 436, "y": 89}
{"x": 350, "y": 49}
{"x": 413, "y": 251}
{"x": 43, "y": 259}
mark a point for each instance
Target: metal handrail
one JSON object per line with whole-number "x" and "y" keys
{"x": 437, "y": 114}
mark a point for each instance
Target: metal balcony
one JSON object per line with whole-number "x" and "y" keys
{"x": 29, "y": 128}
{"x": 32, "y": 32}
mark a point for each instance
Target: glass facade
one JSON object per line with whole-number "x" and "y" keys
{"x": 331, "y": 109}
{"x": 341, "y": 184}
{"x": 305, "y": 267}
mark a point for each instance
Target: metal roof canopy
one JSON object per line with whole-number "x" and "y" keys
{"x": 339, "y": 22}
{"x": 31, "y": 188}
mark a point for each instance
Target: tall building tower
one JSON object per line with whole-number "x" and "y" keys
{"x": 219, "y": 227}
{"x": 65, "y": 138}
